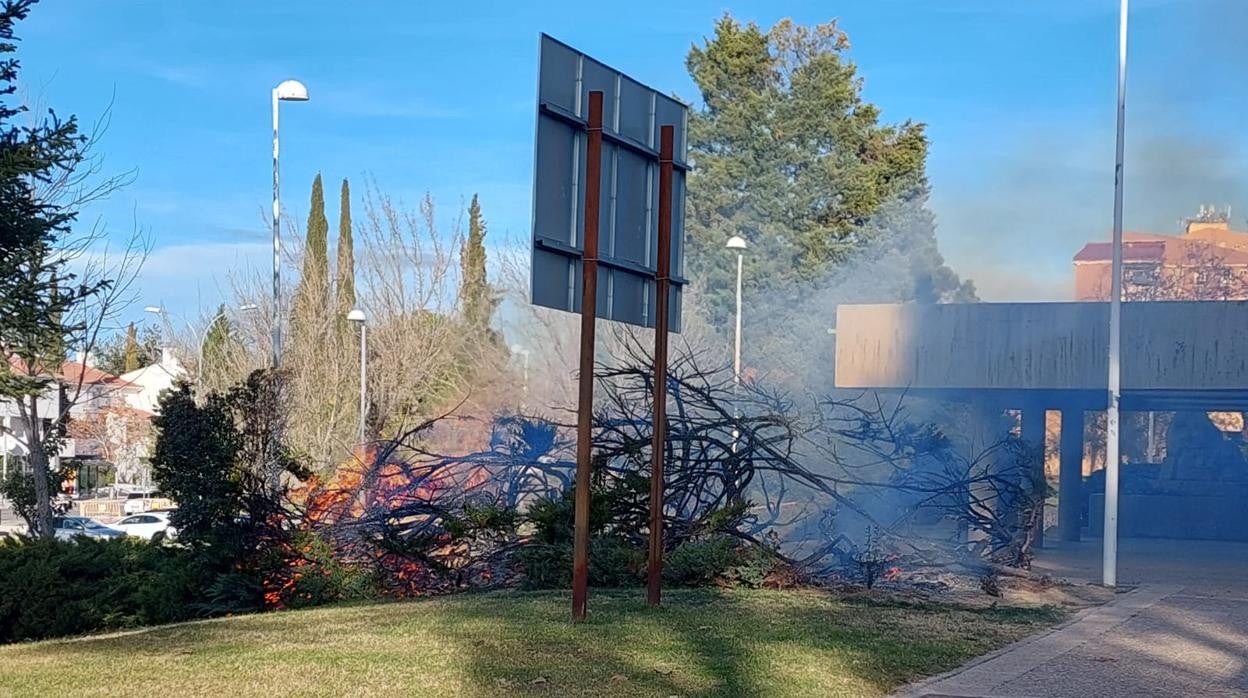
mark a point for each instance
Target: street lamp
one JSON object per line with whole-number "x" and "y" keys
{"x": 199, "y": 363}
{"x": 200, "y": 339}
{"x": 736, "y": 242}
{"x": 287, "y": 91}
{"x": 357, "y": 315}
{"x": 518, "y": 349}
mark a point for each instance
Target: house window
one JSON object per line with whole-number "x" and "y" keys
{"x": 1140, "y": 276}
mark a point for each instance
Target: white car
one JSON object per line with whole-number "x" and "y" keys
{"x": 71, "y": 527}
{"x": 138, "y": 501}
{"x": 147, "y": 525}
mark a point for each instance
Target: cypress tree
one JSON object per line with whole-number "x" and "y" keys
{"x": 344, "y": 285}
{"x": 217, "y": 340}
{"x": 475, "y": 297}
{"x": 132, "y": 350}
{"x": 312, "y": 295}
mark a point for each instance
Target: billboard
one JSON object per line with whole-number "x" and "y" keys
{"x": 628, "y": 212}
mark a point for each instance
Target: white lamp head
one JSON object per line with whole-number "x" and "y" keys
{"x": 248, "y": 307}
{"x": 736, "y": 242}
{"x": 291, "y": 91}
{"x": 154, "y": 309}
{"x": 356, "y": 315}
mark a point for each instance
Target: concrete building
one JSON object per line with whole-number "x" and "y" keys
{"x": 1185, "y": 357}
{"x": 1208, "y": 261}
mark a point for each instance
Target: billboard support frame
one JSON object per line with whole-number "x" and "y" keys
{"x": 585, "y": 394}
{"x": 658, "y": 446}
{"x": 609, "y": 190}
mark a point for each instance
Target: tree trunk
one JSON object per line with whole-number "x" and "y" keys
{"x": 39, "y": 470}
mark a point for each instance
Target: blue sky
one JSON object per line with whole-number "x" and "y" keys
{"x": 438, "y": 97}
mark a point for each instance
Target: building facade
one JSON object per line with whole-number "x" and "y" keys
{"x": 1208, "y": 261}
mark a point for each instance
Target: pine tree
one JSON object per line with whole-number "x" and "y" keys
{"x": 114, "y": 354}
{"x": 38, "y": 290}
{"x": 344, "y": 285}
{"x": 312, "y": 295}
{"x": 475, "y": 296}
{"x": 791, "y": 157}
{"x": 132, "y": 350}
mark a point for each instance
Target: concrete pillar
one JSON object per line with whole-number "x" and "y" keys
{"x": 1033, "y": 432}
{"x": 1070, "y": 480}
{"x": 990, "y": 426}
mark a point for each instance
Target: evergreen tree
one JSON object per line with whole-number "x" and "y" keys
{"x": 37, "y": 289}
{"x": 791, "y": 157}
{"x": 344, "y": 285}
{"x": 218, "y": 347}
{"x": 312, "y": 295}
{"x": 131, "y": 360}
{"x": 476, "y": 299}
{"x": 114, "y": 354}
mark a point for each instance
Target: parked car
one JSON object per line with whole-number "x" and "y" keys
{"x": 138, "y": 501}
{"x": 71, "y": 527}
{"x": 147, "y": 525}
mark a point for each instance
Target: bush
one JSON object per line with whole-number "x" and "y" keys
{"x": 616, "y": 563}
{"x": 309, "y": 574}
{"x": 718, "y": 560}
{"x": 50, "y": 588}
{"x": 617, "y": 556}
{"x": 700, "y": 562}
{"x": 613, "y": 563}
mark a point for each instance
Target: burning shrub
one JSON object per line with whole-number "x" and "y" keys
{"x": 419, "y": 524}
{"x": 307, "y": 572}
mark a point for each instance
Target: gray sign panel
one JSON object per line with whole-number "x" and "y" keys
{"x": 629, "y": 211}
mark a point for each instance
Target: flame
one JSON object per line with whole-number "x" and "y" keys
{"x": 359, "y": 487}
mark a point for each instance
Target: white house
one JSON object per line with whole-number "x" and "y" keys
{"x": 144, "y": 385}
{"x": 13, "y": 428}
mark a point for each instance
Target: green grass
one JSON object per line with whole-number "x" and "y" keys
{"x": 702, "y": 643}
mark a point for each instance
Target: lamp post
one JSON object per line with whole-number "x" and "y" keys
{"x": 200, "y": 339}
{"x": 357, "y": 315}
{"x": 287, "y": 91}
{"x": 524, "y": 354}
{"x": 199, "y": 363}
{"x": 736, "y": 242}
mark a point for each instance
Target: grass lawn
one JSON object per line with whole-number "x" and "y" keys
{"x": 707, "y": 643}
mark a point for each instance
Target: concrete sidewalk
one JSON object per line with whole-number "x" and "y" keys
{"x": 1158, "y": 640}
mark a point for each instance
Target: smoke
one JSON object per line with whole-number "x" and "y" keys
{"x": 1017, "y": 210}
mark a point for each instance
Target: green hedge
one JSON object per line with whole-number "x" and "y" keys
{"x": 55, "y": 588}
{"x": 718, "y": 560}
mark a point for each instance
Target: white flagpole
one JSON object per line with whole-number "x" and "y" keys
{"x": 1110, "y": 541}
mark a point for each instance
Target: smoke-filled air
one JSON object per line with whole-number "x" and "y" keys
{"x": 761, "y": 351}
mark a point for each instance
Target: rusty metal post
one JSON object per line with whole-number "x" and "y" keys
{"x": 658, "y": 447}
{"x": 585, "y": 398}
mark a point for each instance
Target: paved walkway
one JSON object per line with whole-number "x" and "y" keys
{"x": 1185, "y": 635}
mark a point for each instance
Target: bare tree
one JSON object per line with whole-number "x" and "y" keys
{"x": 121, "y": 435}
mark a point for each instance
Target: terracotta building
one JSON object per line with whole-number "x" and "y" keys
{"x": 1208, "y": 261}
